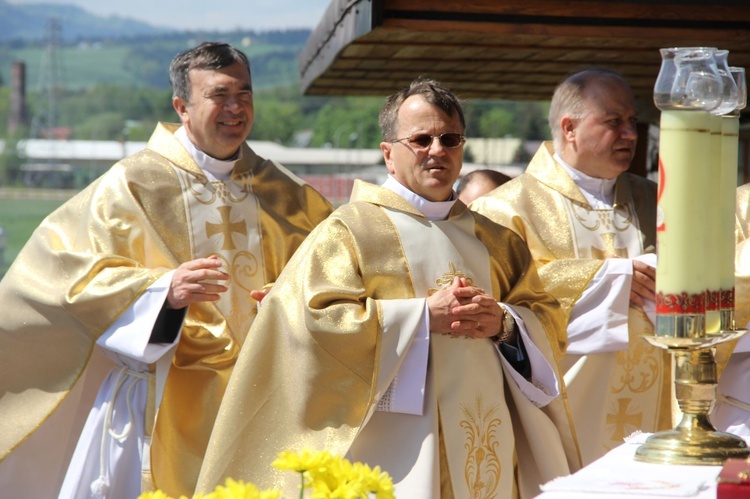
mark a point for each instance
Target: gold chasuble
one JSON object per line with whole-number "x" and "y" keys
{"x": 741, "y": 275}
{"x": 742, "y": 262}
{"x": 92, "y": 258}
{"x": 732, "y": 410}
{"x": 611, "y": 394}
{"x": 331, "y": 336}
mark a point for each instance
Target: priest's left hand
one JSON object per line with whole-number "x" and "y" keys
{"x": 643, "y": 284}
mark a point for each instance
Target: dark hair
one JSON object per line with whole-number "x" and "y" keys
{"x": 207, "y": 55}
{"x": 496, "y": 177}
{"x": 431, "y": 91}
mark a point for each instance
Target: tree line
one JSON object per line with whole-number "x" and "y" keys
{"x": 111, "y": 112}
{"x": 119, "y": 90}
{"x": 282, "y": 115}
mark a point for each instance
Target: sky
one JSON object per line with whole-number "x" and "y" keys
{"x": 222, "y": 15}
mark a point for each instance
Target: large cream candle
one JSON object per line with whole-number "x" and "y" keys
{"x": 713, "y": 228}
{"x": 730, "y": 127}
{"x": 684, "y": 153}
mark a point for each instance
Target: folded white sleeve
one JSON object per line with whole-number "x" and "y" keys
{"x": 405, "y": 346}
{"x": 129, "y": 335}
{"x": 599, "y": 320}
{"x": 543, "y": 386}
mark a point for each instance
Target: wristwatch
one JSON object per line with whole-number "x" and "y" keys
{"x": 508, "y": 327}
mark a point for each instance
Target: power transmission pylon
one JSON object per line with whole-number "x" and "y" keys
{"x": 46, "y": 119}
{"x": 49, "y": 171}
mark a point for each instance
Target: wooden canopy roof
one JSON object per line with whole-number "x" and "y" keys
{"x": 509, "y": 49}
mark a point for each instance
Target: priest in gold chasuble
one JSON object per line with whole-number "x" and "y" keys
{"x": 144, "y": 284}
{"x": 732, "y": 410}
{"x": 591, "y": 229}
{"x": 406, "y": 332}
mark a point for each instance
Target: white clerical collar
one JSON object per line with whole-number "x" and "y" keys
{"x": 220, "y": 169}
{"x": 432, "y": 210}
{"x": 599, "y": 192}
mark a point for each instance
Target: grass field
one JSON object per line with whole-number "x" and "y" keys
{"x": 78, "y": 68}
{"x": 19, "y": 218}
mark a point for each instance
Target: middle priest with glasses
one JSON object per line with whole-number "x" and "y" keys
{"x": 406, "y": 332}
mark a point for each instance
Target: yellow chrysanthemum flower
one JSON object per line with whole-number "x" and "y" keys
{"x": 241, "y": 490}
{"x": 381, "y": 484}
{"x": 305, "y": 460}
{"x": 343, "y": 490}
{"x": 158, "y": 494}
{"x": 326, "y": 476}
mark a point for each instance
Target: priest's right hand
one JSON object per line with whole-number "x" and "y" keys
{"x": 195, "y": 281}
{"x": 440, "y": 305}
{"x": 464, "y": 310}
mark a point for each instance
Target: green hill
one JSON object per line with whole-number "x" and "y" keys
{"x": 143, "y": 61}
{"x": 28, "y": 23}
{"x": 91, "y": 50}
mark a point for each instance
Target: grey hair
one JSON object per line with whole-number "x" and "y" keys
{"x": 567, "y": 100}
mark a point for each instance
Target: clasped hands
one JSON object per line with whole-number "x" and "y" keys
{"x": 464, "y": 310}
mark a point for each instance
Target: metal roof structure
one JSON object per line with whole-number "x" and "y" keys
{"x": 509, "y": 49}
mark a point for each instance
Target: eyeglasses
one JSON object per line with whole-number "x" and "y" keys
{"x": 450, "y": 140}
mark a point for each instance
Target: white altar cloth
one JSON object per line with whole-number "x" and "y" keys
{"x": 618, "y": 475}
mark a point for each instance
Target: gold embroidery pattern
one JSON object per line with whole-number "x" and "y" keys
{"x": 206, "y": 192}
{"x": 220, "y": 224}
{"x": 242, "y": 268}
{"x": 638, "y": 370}
{"x": 244, "y": 182}
{"x": 619, "y": 218}
{"x": 610, "y": 250}
{"x": 623, "y": 217}
{"x": 639, "y": 366}
{"x": 221, "y": 191}
{"x": 446, "y": 279}
{"x": 607, "y": 223}
{"x": 226, "y": 227}
{"x": 201, "y": 189}
{"x": 605, "y": 220}
{"x": 482, "y": 469}
{"x": 622, "y": 421}
{"x": 590, "y": 220}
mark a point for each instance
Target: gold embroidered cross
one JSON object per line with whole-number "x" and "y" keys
{"x": 226, "y": 227}
{"x": 609, "y": 250}
{"x": 447, "y": 278}
{"x": 623, "y": 419}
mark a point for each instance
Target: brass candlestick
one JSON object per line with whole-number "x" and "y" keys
{"x": 694, "y": 440}
{"x": 695, "y": 274}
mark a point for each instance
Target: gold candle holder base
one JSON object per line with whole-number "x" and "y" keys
{"x": 694, "y": 440}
